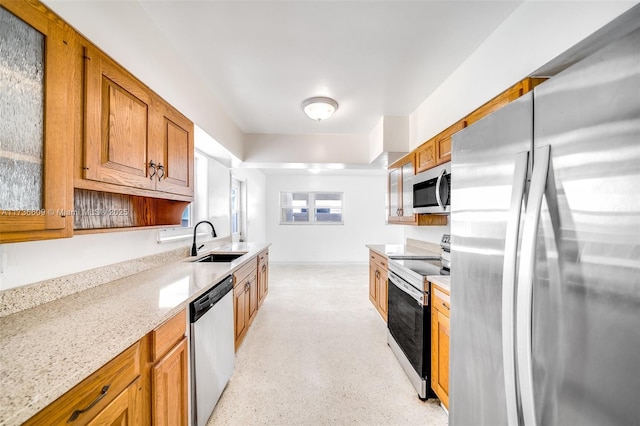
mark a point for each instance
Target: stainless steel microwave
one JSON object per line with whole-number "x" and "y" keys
{"x": 432, "y": 190}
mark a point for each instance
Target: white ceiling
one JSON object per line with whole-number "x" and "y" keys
{"x": 260, "y": 59}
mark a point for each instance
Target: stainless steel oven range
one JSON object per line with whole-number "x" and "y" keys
{"x": 409, "y": 318}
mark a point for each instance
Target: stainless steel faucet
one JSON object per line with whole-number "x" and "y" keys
{"x": 194, "y": 248}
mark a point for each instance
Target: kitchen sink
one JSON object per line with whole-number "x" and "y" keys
{"x": 221, "y": 257}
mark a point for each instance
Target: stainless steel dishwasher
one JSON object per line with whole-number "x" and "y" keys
{"x": 212, "y": 348}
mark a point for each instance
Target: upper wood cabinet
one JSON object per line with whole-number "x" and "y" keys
{"x": 134, "y": 142}
{"x": 400, "y": 196}
{"x": 401, "y": 191}
{"x": 437, "y": 150}
{"x": 426, "y": 156}
{"x": 36, "y": 159}
{"x": 509, "y": 95}
{"x": 172, "y": 134}
{"x": 117, "y": 110}
{"x": 443, "y": 141}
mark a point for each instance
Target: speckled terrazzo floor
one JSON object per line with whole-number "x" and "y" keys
{"x": 316, "y": 354}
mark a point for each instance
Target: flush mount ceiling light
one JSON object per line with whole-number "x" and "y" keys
{"x": 319, "y": 107}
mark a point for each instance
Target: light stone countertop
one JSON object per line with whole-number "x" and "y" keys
{"x": 442, "y": 281}
{"x": 46, "y": 350}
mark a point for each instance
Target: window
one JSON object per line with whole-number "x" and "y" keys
{"x": 311, "y": 207}
{"x": 196, "y": 211}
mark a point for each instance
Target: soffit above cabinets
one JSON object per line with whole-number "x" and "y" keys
{"x": 259, "y": 60}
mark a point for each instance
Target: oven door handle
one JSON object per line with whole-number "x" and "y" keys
{"x": 415, "y": 294}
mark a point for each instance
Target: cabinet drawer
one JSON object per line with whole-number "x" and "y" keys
{"x": 440, "y": 300}
{"x": 165, "y": 336}
{"x": 94, "y": 393}
{"x": 263, "y": 257}
{"x": 241, "y": 274}
{"x": 378, "y": 259}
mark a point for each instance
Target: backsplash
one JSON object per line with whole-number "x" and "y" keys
{"x": 25, "y": 297}
{"x": 424, "y": 245}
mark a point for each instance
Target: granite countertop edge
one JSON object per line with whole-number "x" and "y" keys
{"x": 402, "y": 250}
{"x": 48, "y": 349}
{"x": 442, "y": 281}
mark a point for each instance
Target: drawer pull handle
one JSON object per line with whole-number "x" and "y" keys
{"x": 76, "y": 413}
{"x": 445, "y": 305}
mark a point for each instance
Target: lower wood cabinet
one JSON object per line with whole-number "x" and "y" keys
{"x": 169, "y": 373}
{"x": 263, "y": 276}
{"x": 440, "y": 306}
{"x": 112, "y": 392}
{"x": 245, "y": 299}
{"x": 146, "y": 384}
{"x": 125, "y": 409}
{"x": 378, "y": 283}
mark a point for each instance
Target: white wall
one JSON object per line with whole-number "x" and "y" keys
{"x": 316, "y": 148}
{"x": 30, "y": 262}
{"x": 255, "y": 184}
{"x": 535, "y": 33}
{"x": 364, "y": 219}
{"x": 219, "y": 186}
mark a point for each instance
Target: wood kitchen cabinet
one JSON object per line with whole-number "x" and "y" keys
{"x": 400, "y": 196}
{"x": 509, "y": 95}
{"x": 36, "y": 158}
{"x": 263, "y": 276}
{"x": 426, "y": 156}
{"x": 245, "y": 299}
{"x": 440, "y": 307}
{"x": 169, "y": 373}
{"x": 123, "y": 410}
{"x": 111, "y": 395}
{"x": 146, "y": 384}
{"x": 378, "y": 283}
{"x": 400, "y": 190}
{"x": 437, "y": 150}
{"x": 134, "y": 142}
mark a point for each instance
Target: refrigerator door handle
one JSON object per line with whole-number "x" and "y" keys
{"x": 438, "y": 182}
{"x": 509, "y": 285}
{"x": 524, "y": 298}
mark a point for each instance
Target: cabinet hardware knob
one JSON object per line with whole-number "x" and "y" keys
{"x": 76, "y": 413}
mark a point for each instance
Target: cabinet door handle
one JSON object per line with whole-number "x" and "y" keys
{"x": 76, "y": 413}
{"x": 160, "y": 169}
{"x": 152, "y": 165}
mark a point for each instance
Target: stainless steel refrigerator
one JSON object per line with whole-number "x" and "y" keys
{"x": 545, "y": 229}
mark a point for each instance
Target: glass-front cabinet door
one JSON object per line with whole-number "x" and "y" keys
{"x": 400, "y": 191}
{"x": 37, "y": 130}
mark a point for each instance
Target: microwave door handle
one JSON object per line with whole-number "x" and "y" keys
{"x": 438, "y": 198}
